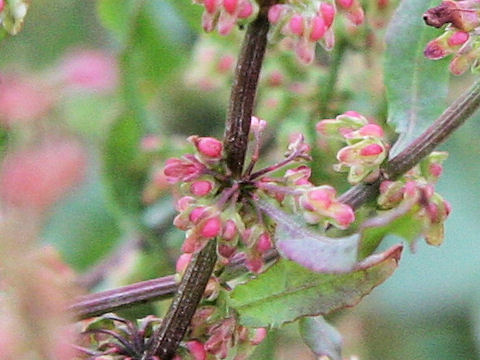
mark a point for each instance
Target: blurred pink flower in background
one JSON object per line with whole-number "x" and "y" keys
{"x": 23, "y": 100}
{"x": 37, "y": 177}
{"x": 93, "y": 70}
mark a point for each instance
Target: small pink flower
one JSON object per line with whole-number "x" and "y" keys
{"x": 197, "y": 214}
{"x": 201, "y": 187}
{"x": 275, "y": 13}
{"x": 296, "y": 24}
{"x": 197, "y": 350}
{"x": 245, "y": 9}
{"x": 345, "y": 3}
{"x": 211, "y": 228}
{"x": 318, "y": 28}
{"x": 371, "y": 150}
{"x": 264, "y": 242}
{"x": 371, "y": 130}
{"x": 458, "y": 38}
{"x": 259, "y": 336}
{"x": 211, "y": 6}
{"x": 343, "y": 215}
{"x": 328, "y": 12}
{"x": 183, "y": 262}
{"x": 230, "y": 6}
{"x": 207, "y": 146}
{"x": 184, "y": 169}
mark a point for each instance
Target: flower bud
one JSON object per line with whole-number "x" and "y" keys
{"x": 201, "y": 187}
{"x": 184, "y": 169}
{"x": 230, "y": 6}
{"x": 318, "y": 28}
{"x": 371, "y": 150}
{"x": 197, "y": 350}
{"x": 259, "y": 336}
{"x": 211, "y": 228}
{"x": 296, "y": 25}
{"x": 182, "y": 262}
{"x": 207, "y": 146}
{"x": 275, "y": 13}
{"x": 245, "y": 9}
{"x": 328, "y": 12}
{"x": 264, "y": 242}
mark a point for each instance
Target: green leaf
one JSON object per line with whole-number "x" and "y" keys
{"x": 416, "y": 86}
{"x": 116, "y": 16}
{"x": 288, "y": 291}
{"x": 123, "y": 169}
{"x": 321, "y": 337}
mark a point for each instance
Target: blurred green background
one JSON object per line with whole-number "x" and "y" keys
{"x": 428, "y": 310}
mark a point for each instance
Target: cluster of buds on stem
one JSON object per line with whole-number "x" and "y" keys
{"x": 213, "y": 205}
{"x": 365, "y": 150}
{"x": 304, "y": 23}
{"x": 224, "y": 14}
{"x": 417, "y": 190}
{"x": 461, "y": 34}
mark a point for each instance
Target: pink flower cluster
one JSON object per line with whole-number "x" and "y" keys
{"x": 213, "y": 336}
{"x": 460, "y": 36}
{"x": 224, "y": 14}
{"x": 417, "y": 190}
{"x": 365, "y": 150}
{"x": 304, "y": 23}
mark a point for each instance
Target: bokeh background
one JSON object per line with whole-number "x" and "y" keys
{"x": 428, "y": 310}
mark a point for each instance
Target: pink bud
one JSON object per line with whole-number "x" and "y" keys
{"x": 230, "y": 6}
{"x": 184, "y": 169}
{"x": 323, "y": 196}
{"x": 226, "y": 22}
{"x": 296, "y": 25}
{"x": 245, "y": 9}
{"x": 410, "y": 189}
{"x": 182, "y": 262}
{"x": 436, "y": 169}
{"x": 344, "y": 215}
{"x": 2, "y": 5}
{"x": 254, "y": 264}
{"x": 371, "y": 150}
{"x": 257, "y": 125}
{"x": 196, "y": 214}
{"x": 226, "y": 251}
{"x": 317, "y": 28}
{"x": 211, "y": 228}
{"x": 264, "y": 242}
{"x": 183, "y": 203}
{"x": 201, "y": 187}
{"x": 259, "y": 336}
{"x": 371, "y": 130}
{"x": 230, "y": 230}
{"x": 328, "y": 13}
{"x": 197, "y": 350}
{"x": 275, "y": 13}
{"x": 208, "y": 146}
{"x": 345, "y": 3}
{"x": 432, "y": 211}
{"x": 210, "y": 6}
{"x": 353, "y": 114}
{"x": 459, "y": 38}
{"x": 434, "y": 50}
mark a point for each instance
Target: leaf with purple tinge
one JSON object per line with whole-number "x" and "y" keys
{"x": 321, "y": 337}
{"x": 288, "y": 291}
{"x": 316, "y": 252}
